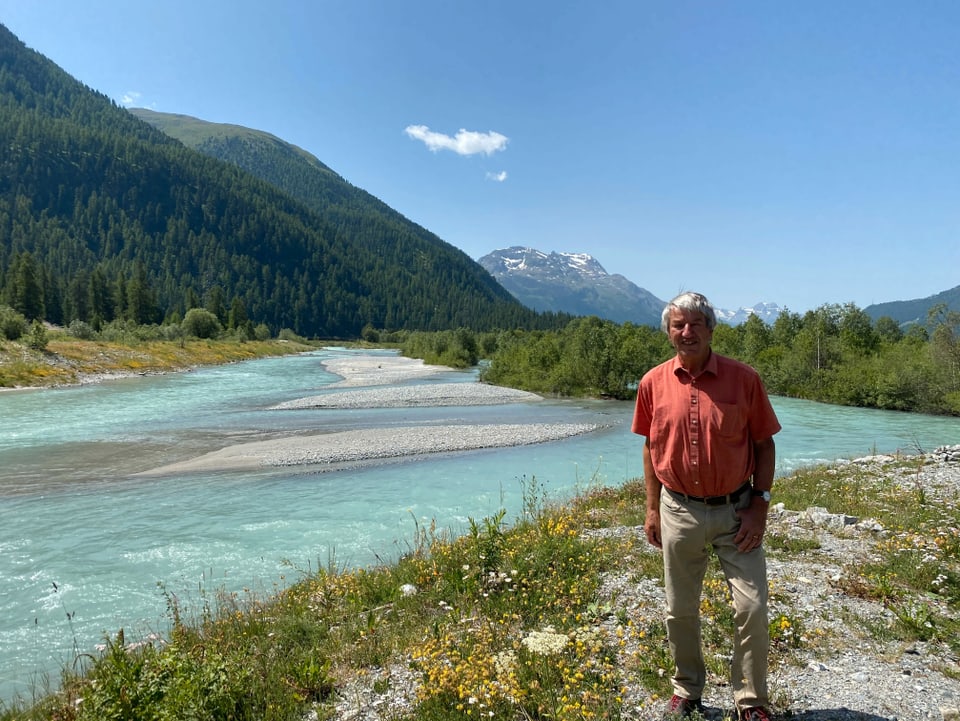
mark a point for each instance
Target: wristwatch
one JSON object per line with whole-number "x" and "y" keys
{"x": 763, "y": 494}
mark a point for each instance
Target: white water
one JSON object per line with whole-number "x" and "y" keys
{"x": 87, "y": 547}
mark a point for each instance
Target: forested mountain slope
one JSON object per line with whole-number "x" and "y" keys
{"x": 915, "y": 311}
{"x": 102, "y": 216}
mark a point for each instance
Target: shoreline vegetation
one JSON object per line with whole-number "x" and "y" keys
{"x": 557, "y": 614}
{"x": 69, "y": 361}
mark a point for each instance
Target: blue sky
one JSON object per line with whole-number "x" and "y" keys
{"x": 793, "y": 152}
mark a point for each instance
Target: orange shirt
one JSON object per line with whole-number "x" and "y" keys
{"x": 702, "y": 430}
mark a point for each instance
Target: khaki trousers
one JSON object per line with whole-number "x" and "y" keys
{"x": 689, "y": 529}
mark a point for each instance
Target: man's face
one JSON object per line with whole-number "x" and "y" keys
{"x": 690, "y": 336}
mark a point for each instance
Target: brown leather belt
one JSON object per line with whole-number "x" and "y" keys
{"x": 713, "y": 500}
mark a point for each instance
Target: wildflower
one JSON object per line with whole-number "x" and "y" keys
{"x": 505, "y": 663}
{"x": 545, "y": 643}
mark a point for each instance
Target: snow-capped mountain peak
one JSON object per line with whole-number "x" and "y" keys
{"x": 767, "y": 312}
{"x": 572, "y": 283}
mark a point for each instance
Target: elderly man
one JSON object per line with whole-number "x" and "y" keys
{"x": 708, "y": 463}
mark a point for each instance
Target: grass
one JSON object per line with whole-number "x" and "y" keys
{"x": 508, "y": 620}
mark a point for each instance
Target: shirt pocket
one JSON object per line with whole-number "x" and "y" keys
{"x": 727, "y": 421}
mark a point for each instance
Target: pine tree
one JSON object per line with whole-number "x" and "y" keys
{"x": 26, "y": 294}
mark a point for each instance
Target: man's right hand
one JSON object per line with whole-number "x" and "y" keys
{"x": 652, "y": 527}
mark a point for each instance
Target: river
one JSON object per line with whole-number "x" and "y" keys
{"x": 88, "y": 547}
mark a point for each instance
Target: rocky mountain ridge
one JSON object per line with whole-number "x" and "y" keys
{"x": 577, "y": 283}
{"x": 573, "y": 283}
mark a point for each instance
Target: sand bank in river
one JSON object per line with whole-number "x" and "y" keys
{"x": 371, "y": 445}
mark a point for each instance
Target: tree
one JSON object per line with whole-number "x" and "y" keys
{"x": 217, "y": 304}
{"x": 857, "y": 334}
{"x": 141, "y": 300}
{"x": 27, "y": 291}
{"x": 237, "y": 317}
{"x": 888, "y": 329}
{"x": 38, "y": 336}
{"x": 99, "y": 300}
{"x": 201, "y": 323}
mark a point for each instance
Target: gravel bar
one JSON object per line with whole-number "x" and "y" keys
{"x": 446, "y": 394}
{"x": 366, "y": 446}
{"x": 328, "y": 451}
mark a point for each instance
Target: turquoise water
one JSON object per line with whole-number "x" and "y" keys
{"x": 88, "y": 547}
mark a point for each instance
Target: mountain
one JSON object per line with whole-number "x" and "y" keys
{"x": 572, "y": 283}
{"x": 767, "y": 312}
{"x": 283, "y": 165}
{"x": 915, "y": 311}
{"x": 108, "y": 218}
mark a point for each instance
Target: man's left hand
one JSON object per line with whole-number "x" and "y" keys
{"x": 753, "y": 524}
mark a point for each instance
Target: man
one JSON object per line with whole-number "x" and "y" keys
{"x": 708, "y": 462}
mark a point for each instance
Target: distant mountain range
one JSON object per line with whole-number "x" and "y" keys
{"x": 571, "y": 283}
{"x": 767, "y": 312}
{"x": 576, "y": 283}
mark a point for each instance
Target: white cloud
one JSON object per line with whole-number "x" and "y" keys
{"x": 130, "y": 98}
{"x": 499, "y": 177}
{"x": 465, "y": 142}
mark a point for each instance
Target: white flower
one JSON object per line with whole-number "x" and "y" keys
{"x": 546, "y": 642}
{"x": 505, "y": 663}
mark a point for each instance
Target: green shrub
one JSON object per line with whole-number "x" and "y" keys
{"x": 262, "y": 332}
{"x": 288, "y": 335}
{"x": 13, "y": 325}
{"x": 82, "y": 330}
{"x": 201, "y": 323}
{"x": 38, "y": 336}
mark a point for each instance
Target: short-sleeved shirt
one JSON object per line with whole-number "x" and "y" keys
{"x": 701, "y": 430}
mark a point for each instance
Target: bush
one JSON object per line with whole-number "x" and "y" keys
{"x": 82, "y": 330}
{"x": 288, "y": 335}
{"x": 38, "y": 336}
{"x": 201, "y": 323}
{"x": 119, "y": 331}
{"x": 262, "y": 332}
{"x": 13, "y": 325}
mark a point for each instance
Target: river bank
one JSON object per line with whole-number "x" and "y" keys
{"x": 69, "y": 361}
{"x": 841, "y": 650}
